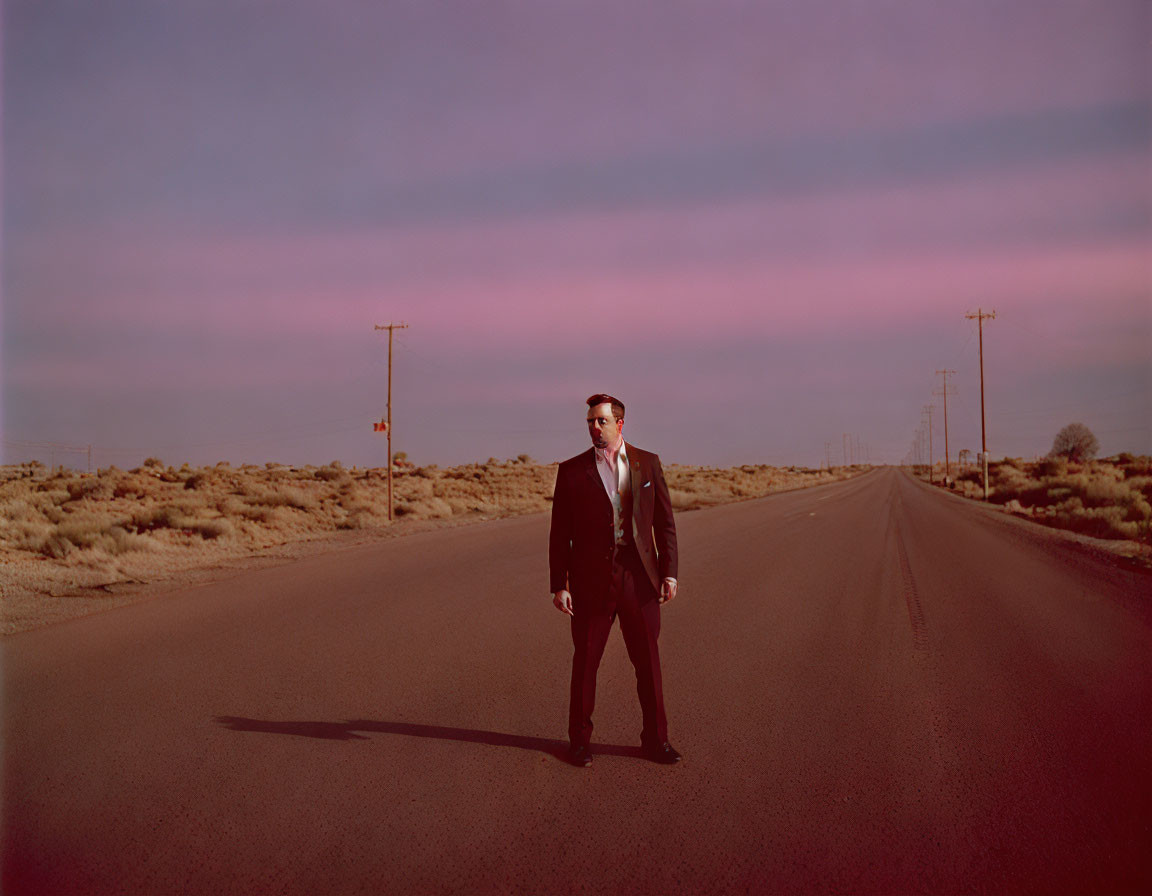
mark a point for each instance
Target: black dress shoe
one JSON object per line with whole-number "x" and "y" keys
{"x": 580, "y": 756}
{"x": 663, "y": 753}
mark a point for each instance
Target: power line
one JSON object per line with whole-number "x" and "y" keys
{"x": 52, "y": 448}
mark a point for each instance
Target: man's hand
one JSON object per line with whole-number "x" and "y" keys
{"x": 667, "y": 590}
{"x": 562, "y": 600}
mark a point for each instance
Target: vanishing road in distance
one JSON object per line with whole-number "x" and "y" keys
{"x": 877, "y": 687}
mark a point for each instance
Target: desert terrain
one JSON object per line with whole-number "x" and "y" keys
{"x": 1108, "y": 498}
{"x": 75, "y": 543}
{"x": 878, "y": 687}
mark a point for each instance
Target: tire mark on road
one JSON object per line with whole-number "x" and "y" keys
{"x": 942, "y": 738}
{"x": 907, "y": 580}
{"x": 911, "y": 597}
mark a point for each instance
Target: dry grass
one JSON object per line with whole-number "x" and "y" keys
{"x": 1106, "y": 498}
{"x": 69, "y": 531}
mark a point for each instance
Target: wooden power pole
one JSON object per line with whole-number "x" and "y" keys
{"x": 388, "y": 419}
{"x": 944, "y": 394}
{"x": 980, "y": 316}
{"x": 928, "y": 409}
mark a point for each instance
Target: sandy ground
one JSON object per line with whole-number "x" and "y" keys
{"x": 76, "y": 543}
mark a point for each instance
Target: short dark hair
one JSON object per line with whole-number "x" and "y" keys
{"x": 601, "y": 398}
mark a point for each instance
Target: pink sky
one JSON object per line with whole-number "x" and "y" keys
{"x": 760, "y": 226}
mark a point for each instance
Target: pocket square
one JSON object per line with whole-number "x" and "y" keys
{"x": 646, "y": 484}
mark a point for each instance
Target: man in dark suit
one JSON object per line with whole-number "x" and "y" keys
{"x": 612, "y": 552}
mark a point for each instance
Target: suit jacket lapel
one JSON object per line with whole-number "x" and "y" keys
{"x": 594, "y": 474}
{"x": 636, "y": 473}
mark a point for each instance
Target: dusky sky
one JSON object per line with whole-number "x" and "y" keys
{"x": 760, "y": 224}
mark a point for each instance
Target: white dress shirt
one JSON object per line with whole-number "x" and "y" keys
{"x": 615, "y": 477}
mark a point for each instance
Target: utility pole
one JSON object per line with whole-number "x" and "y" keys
{"x": 828, "y": 455}
{"x": 390, "y": 328}
{"x": 944, "y": 393}
{"x": 980, "y": 316}
{"x": 845, "y": 449}
{"x": 928, "y": 409}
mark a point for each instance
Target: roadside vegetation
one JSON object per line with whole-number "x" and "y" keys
{"x": 1106, "y": 498}
{"x": 66, "y": 530}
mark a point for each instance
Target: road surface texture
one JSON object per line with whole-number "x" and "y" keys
{"x": 878, "y": 688}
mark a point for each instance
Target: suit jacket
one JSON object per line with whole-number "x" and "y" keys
{"x": 581, "y": 539}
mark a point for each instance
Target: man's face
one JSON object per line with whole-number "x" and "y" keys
{"x": 603, "y": 427}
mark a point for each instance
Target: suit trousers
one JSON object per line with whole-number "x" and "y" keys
{"x": 632, "y": 598}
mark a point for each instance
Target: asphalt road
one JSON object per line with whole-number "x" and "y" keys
{"x": 877, "y": 687}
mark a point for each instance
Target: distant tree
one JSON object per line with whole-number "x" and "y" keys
{"x": 1075, "y": 442}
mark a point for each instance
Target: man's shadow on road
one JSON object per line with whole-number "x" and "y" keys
{"x": 348, "y": 731}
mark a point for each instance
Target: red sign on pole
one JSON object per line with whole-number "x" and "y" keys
{"x": 382, "y": 426}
